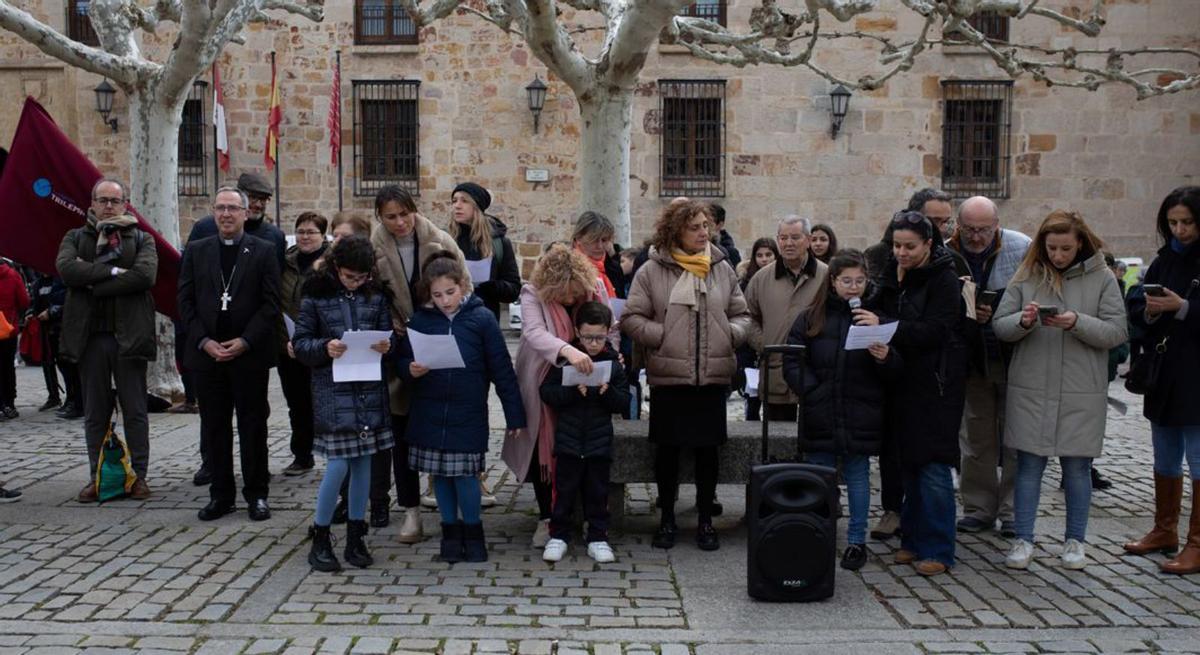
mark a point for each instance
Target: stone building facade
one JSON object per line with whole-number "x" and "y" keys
{"x": 460, "y": 89}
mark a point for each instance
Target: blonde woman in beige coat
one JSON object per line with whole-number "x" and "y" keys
{"x": 1064, "y": 311}
{"x": 686, "y": 309}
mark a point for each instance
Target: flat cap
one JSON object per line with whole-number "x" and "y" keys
{"x": 254, "y": 183}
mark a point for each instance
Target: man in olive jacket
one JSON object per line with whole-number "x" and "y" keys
{"x": 109, "y": 267}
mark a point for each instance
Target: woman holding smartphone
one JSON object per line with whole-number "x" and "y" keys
{"x": 1063, "y": 310}
{"x": 1172, "y": 329}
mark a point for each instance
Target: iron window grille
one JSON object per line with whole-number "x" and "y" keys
{"x": 79, "y": 25}
{"x": 976, "y": 135}
{"x": 386, "y": 127}
{"x": 993, "y": 25}
{"x": 383, "y": 22}
{"x": 692, "y": 147}
{"x": 193, "y": 153}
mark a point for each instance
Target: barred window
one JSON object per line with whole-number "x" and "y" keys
{"x": 193, "y": 172}
{"x": 692, "y": 147}
{"x": 713, "y": 10}
{"x": 993, "y": 25}
{"x": 976, "y": 130}
{"x": 385, "y": 135}
{"x": 79, "y": 25}
{"x": 382, "y": 22}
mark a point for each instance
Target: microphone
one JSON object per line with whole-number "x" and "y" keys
{"x": 855, "y": 303}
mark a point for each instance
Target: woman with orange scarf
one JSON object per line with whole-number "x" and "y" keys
{"x": 593, "y": 237}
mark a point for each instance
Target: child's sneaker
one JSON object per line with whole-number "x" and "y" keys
{"x": 555, "y": 549}
{"x": 601, "y": 552}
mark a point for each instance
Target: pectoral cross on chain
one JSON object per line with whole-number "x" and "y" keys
{"x": 225, "y": 298}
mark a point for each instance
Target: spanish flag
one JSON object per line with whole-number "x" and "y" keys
{"x": 274, "y": 118}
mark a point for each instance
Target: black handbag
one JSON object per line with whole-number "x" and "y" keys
{"x": 1143, "y": 371}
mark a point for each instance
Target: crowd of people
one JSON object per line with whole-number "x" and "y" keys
{"x": 1002, "y": 354}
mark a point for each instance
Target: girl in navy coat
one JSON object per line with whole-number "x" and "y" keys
{"x": 351, "y": 420}
{"x": 447, "y": 423}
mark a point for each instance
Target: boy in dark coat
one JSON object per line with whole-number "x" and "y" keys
{"x": 583, "y": 437}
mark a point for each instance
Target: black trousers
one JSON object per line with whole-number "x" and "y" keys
{"x": 666, "y": 475}
{"x": 891, "y": 477}
{"x": 390, "y": 463}
{"x": 296, "y": 380}
{"x": 576, "y": 477}
{"x": 224, "y": 390}
{"x": 543, "y": 492}
{"x": 780, "y": 412}
{"x": 8, "y": 372}
{"x": 49, "y": 360}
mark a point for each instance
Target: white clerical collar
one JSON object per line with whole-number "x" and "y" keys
{"x": 231, "y": 242}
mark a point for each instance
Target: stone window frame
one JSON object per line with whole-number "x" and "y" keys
{"x": 387, "y": 125}
{"x": 394, "y": 14}
{"x": 79, "y": 24}
{"x": 193, "y": 145}
{"x": 692, "y": 152}
{"x": 714, "y": 10}
{"x": 977, "y": 137}
{"x": 994, "y": 26}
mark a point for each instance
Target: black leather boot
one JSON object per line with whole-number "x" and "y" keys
{"x": 321, "y": 556}
{"x": 452, "y": 542}
{"x": 356, "y": 552}
{"x": 474, "y": 546}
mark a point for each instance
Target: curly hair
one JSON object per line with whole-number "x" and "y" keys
{"x": 673, "y": 220}
{"x": 563, "y": 272}
{"x": 354, "y": 253}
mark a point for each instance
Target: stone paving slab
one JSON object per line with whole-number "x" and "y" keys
{"x": 130, "y": 577}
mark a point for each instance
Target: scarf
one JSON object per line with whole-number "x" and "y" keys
{"x": 691, "y": 283}
{"x": 108, "y": 240}
{"x": 562, "y": 327}
{"x": 598, "y": 264}
{"x": 1177, "y": 245}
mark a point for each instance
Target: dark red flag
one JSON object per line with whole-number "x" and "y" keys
{"x": 46, "y": 188}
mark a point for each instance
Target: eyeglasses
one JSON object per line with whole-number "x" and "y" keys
{"x": 592, "y": 338}
{"x": 117, "y": 202}
{"x": 309, "y": 233}
{"x": 976, "y": 231}
{"x": 852, "y": 281}
{"x": 906, "y": 218}
{"x": 227, "y": 209}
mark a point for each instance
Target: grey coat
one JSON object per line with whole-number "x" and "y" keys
{"x": 1058, "y": 379}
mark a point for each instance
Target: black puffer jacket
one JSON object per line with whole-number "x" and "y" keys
{"x": 844, "y": 391}
{"x": 1172, "y": 402}
{"x": 504, "y": 285}
{"x": 929, "y": 396}
{"x": 584, "y": 427}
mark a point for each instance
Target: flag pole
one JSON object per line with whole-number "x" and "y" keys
{"x": 339, "y": 152}
{"x": 278, "y": 145}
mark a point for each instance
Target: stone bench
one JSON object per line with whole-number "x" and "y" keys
{"x": 633, "y": 456}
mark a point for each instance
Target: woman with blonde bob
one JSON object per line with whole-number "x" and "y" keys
{"x": 562, "y": 280}
{"x": 1064, "y": 311}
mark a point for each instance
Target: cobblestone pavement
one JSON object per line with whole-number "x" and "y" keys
{"x": 148, "y": 577}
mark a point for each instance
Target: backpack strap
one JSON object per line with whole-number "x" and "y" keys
{"x": 497, "y": 252}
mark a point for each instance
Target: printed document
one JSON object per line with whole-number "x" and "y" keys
{"x": 435, "y": 351}
{"x": 601, "y": 372}
{"x": 861, "y": 336}
{"x": 360, "y": 363}
{"x": 480, "y": 270}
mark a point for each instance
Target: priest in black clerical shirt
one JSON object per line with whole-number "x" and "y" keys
{"x": 229, "y": 303}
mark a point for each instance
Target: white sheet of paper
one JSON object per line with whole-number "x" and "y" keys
{"x": 359, "y": 363}
{"x": 861, "y": 336}
{"x": 435, "y": 351}
{"x": 618, "y": 307}
{"x": 290, "y": 325}
{"x": 752, "y": 382}
{"x": 601, "y": 372}
{"x": 480, "y": 270}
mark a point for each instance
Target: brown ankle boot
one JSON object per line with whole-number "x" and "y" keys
{"x": 1188, "y": 560}
{"x": 1164, "y": 537}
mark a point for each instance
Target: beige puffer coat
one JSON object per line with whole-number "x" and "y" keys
{"x": 685, "y": 347}
{"x": 1058, "y": 379}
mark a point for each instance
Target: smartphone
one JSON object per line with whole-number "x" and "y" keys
{"x": 986, "y": 297}
{"x": 1156, "y": 290}
{"x": 1048, "y": 310}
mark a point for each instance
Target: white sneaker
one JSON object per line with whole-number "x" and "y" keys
{"x": 541, "y": 536}
{"x": 1020, "y": 555}
{"x": 601, "y": 552}
{"x": 1073, "y": 556}
{"x": 555, "y": 548}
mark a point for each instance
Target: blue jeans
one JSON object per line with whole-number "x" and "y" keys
{"x": 927, "y": 515}
{"x": 336, "y": 470}
{"x": 857, "y": 471}
{"x": 1077, "y": 482}
{"x": 1171, "y": 445}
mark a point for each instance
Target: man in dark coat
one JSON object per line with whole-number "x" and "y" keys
{"x": 109, "y": 266}
{"x": 723, "y": 238}
{"x": 229, "y": 301}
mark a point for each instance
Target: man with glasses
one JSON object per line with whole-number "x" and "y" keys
{"x": 109, "y": 267}
{"x": 993, "y": 255}
{"x": 775, "y": 296}
{"x": 229, "y": 302}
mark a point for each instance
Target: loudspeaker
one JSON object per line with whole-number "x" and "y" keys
{"x": 791, "y": 514}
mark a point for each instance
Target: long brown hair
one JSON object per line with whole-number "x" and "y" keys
{"x": 843, "y": 260}
{"x": 442, "y": 263}
{"x": 1037, "y": 263}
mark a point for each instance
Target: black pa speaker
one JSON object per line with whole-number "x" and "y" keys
{"x": 791, "y": 514}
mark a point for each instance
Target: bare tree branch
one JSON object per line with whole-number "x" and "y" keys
{"x": 123, "y": 70}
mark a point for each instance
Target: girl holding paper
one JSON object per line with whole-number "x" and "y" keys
{"x": 448, "y": 420}
{"x": 351, "y": 419}
{"x": 483, "y": 238}
{"x": 844, "y": 391}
